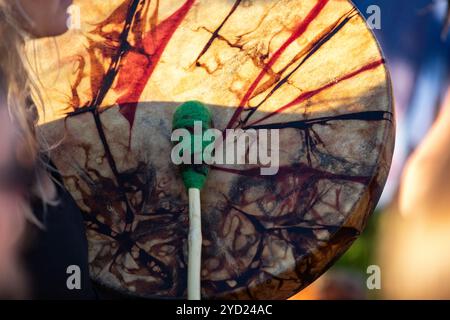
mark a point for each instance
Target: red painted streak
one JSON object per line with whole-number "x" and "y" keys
{"x": 309, "y": 94}
{"x": 299, "y": 170}
{"x": 137, "y": 68}
{"x": 298, "y": 32}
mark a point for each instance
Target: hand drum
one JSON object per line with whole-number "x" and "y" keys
{"x": 310, "y": 68}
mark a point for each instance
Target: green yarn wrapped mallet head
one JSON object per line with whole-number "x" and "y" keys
{"x": 194, "y": 175}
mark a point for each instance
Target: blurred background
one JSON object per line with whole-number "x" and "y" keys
{"x": 411, "y": 248}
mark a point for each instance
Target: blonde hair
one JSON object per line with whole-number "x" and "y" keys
{"x": 15, "y": 70}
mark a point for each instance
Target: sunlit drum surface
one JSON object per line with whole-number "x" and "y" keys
{"x": 310, "y": 68}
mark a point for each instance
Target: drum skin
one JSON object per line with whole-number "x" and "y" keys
{"x": 310, "y": 68}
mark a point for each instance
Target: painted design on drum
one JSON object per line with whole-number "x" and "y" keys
{"x": 265, "y": 237}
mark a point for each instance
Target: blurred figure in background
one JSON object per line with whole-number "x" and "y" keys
{"x": 415, "y": 241}
{"x": 34, "y": 208}
{"x": 416, "y": 249}
{"x": 411, "y": 37}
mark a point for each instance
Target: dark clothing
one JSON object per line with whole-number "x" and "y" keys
{"x": 49, "y": 253}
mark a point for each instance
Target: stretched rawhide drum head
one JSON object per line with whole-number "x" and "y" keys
{"x": 308, "y": 68}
